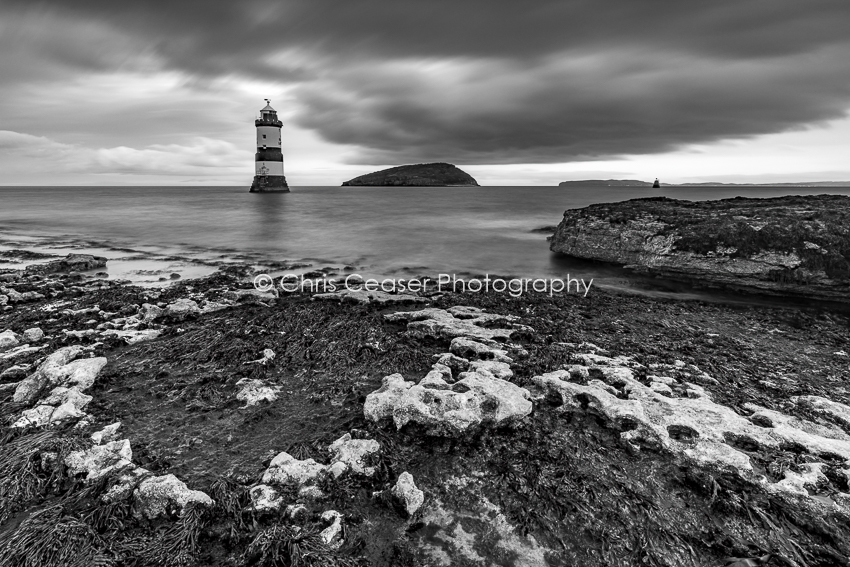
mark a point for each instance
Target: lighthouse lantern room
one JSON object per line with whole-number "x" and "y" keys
{"x": 268, "y": 173}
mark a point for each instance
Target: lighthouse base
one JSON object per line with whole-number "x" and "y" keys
{"x": 269, "y": 184}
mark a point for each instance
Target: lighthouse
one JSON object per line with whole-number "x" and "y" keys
{"x": 268, "y": 175}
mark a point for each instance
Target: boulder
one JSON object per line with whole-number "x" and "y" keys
{"x": 100, "y": 460}
{"x": 287, "y": 470}
{"x": 264, "y": 498}
{"x": 181, "y": 309}
{"x": 350, "y": 454}
{"x": 406, "y": 495}
{"x": 253, "y": 391}
{"x": 132, "y": 337}
{"x": 33, "y": 335}
{"x": 60, "y": 369}
{"x": 8, "y": 339}
{"x": 162, "y": 495}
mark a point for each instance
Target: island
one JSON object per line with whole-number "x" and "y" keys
{"x": 788, "y": 246}
{"x": 419, "y": 175}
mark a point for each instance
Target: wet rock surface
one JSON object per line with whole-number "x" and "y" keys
{"x": 607, "y": 430}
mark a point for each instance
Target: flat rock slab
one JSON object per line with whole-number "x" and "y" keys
{"x": 680, "y": 419}
{"x": 460, "y": 321}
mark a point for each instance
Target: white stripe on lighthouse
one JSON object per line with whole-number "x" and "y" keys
{"x": 272, "y": 136}
{"x": 272, "y": 167}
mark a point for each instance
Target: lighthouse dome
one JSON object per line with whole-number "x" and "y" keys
{"x": 268, "y": 108}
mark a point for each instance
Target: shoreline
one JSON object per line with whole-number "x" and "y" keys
{"x": 182, "y": 380}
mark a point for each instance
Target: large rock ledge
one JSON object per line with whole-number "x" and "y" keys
{"x": 781, "y": 246}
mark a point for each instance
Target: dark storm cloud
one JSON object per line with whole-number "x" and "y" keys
{"x": 486, "y": 81}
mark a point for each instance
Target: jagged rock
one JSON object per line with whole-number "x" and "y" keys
{"x": 38, "y": 416}
{"x": 417, "y": 175}
{"x": 264, "y": 498}
{"x": 33, "y": 335}
{"x": 496, "y": 368}
{"x": 108, "y": 433}
{"x": 60, "y": 369}
{"x": 695, "y": 428}
{"x": 8, "y": 339}
{"x": 350, "y": 454}
{"x": 181, "y": 309}
{"x": 150, "y": 313}
{"x": 253, "y": 391}
{"x": 332, "y": 535}
{"x": 286, "y": 469}
{"x": 458, "y": 321}
{"x": 70, "y": 263}
{"x": 100, "y": 460}
{"x": 160, "y": 495}
{"x": 476, "y": 399}
{"x": 406, "y": 494}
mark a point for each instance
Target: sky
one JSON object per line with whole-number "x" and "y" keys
{"x": 149, "y": 92}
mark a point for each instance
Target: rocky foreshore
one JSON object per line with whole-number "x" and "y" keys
{"x": 207, "y": 423}
{"x": 790, "y": 246}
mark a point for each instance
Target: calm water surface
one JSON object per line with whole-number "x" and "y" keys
{"x": 382, "y": 231}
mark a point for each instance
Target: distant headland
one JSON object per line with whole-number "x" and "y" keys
{"x": 419, "y": 175}
{"x": 638, "y": 183}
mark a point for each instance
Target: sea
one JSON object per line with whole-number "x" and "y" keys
{"x": 150, "y": 233}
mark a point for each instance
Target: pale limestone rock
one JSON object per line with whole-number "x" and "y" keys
{"x": 128, "y": 479}
{"x": 694, "y": 427}
{"x": 268, "y": 356}
{"x": 33, "y": 335}
{"x": 181, "y": 309}
{"x": 61, "y": 395}
{"x": 66, "y": 411}
{"x": 457, "y": 321}
{"x": 468, "y": 348}
{"x": 362, "y": 296}
{"x": 496, "y": 368}
{"x": 351, "y": 453}
{"x": 60, "y": 369}
{"x": 332, "y": 535}
{"x": 286, "y": 469}
{"x": 264, "y": 498}
{"x": 477, "y": 398}
{"x": 408, "y": 496}
{"x": 38, "y": 416}
{"x": 100, "y": 460}
{"x": 8, "y": 339}
{"x": 452, "y": 361}
{"x": 159, "y": 495}
{"x": 150, "y": 313}
{"x": 108, "y": 433}
{"x": 253, "y": 391}
{"x": 133, "y": 336}
{"x": 796, "y": 483}
{"x": 19, "y": 351}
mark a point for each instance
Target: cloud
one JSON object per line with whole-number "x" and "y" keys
{"x": 479, "y": 81}
{"x": 26, "y": 154}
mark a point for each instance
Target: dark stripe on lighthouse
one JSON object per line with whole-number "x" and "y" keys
{"x": 268, "y": 154}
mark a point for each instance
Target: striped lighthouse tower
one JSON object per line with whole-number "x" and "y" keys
{"x": 268, "y": 176}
